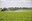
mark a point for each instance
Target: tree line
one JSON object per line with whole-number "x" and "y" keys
{"x": 13, "y": 9}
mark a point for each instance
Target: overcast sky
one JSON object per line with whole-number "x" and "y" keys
{"x": 15, "y": 3}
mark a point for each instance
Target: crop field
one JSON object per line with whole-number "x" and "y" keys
{"x": 23, "y": 15}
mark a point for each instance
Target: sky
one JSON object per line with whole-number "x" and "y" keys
{"x": 15, "y": 3}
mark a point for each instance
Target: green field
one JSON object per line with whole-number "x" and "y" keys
{"x": 24, "y": 15}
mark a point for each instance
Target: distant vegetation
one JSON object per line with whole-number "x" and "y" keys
{"x": 4, "y": 9}
{"x": 16, "y": 8}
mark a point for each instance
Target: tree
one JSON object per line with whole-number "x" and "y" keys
{"x": 4, "y": 9}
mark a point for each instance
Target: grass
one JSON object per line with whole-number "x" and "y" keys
{"x": 16, "y": 16}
